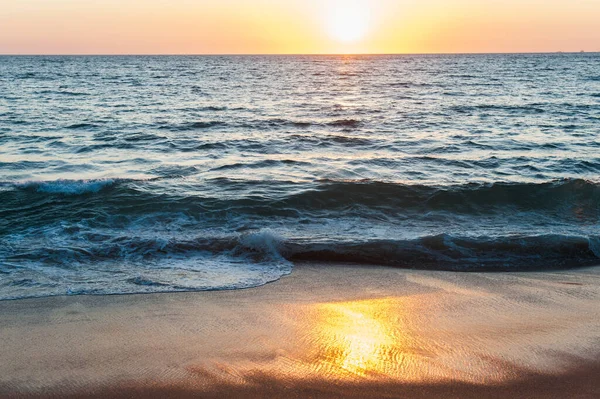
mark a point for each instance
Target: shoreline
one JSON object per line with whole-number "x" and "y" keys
{"x": 323, "y": 331}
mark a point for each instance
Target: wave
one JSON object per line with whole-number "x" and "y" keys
{"x": 268, "y": 163}
{"x": 436, "y": 252}
{"x": 261, "y": 124}
{"x": 83, "y": 125}
{"x": 130, "y": 265}
{"x": 470, "y": 198}
{"x": 70, "y": 187}
{"x": 452, "y": 253}
{"x": 273, "y": 123}
{"x": 330, "y": 140}
{"x": 194, "y": 147}
{"x": 20, "y": 165}
{"x": 345, "y": 140}
{"x": 329, "y": 195}
{"x": 529, "y": 109}
{"x": 347, "y": 123}
{"x": 64, "y": 93}
{"x": 256, "y": 246}
{"x": 192, "y": 125}
{"x": 209, "y": 108}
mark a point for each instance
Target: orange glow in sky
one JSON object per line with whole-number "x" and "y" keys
{"x": 296, "y": 26}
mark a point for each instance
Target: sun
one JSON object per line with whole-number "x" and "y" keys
{"x": 348, "y": 20}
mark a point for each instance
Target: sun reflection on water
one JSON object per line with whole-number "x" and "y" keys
{"x": 366, "y": 338}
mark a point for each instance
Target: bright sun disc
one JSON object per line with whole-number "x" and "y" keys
{"x": 349, "y": 20}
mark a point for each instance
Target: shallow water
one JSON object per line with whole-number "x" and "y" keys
{"x": 145, "y": 174}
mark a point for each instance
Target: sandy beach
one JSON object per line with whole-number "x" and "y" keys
{"x": 323, "y": 331}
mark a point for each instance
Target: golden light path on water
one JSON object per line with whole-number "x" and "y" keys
{"x": 371, "y": 338}
{"x": 361, "y": 341}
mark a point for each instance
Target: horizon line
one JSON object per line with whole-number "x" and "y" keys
{"x": 282, "y": 54}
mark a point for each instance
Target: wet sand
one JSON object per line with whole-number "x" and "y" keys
{"x": 324, "y": 331}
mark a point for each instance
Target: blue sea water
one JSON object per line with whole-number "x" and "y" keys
{"x": 146, "y": 174}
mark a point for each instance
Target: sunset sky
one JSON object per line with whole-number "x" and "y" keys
{"x": 297, "y": 26}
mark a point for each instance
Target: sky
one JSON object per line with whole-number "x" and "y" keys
{"x": 297, "y": 26}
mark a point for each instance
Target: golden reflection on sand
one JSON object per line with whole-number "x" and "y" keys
{"x": 369, "y": 338}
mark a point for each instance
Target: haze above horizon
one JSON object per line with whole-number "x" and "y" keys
{"x": 297, "y": 27}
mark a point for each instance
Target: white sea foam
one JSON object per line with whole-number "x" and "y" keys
{"x": 264, "y": 241}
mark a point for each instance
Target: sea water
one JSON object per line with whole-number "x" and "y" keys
{"x": 145, "y": 174}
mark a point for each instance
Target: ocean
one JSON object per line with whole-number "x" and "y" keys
{"x": 179, "y": 173}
